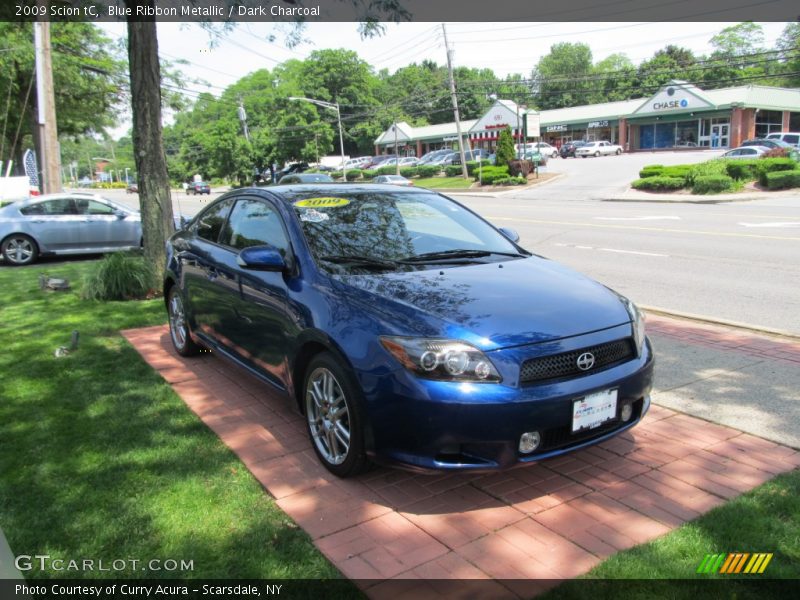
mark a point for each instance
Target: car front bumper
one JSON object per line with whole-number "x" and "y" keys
{"x": 434, "y": 425}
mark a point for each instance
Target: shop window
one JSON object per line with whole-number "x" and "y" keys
{"x": 768, "y": 121}
{"x": 686, "y": 133}
{"x": 794, "y": 121}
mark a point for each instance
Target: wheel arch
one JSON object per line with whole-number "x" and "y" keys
{"x": 312, "y": 344}
{"x": 27, "y": 235}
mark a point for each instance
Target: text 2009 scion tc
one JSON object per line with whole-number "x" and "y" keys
{"x": 406, "y": 328}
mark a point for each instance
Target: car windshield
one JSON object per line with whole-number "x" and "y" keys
{"x": 395, "y": 230}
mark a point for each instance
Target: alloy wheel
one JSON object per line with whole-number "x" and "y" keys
{"x": 177, "y": 321}
{"x": 19, "y": 250}
{"x": 328, "y": 416}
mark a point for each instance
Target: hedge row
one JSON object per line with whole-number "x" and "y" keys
{"x": 712, "y": 184}
{"x": 781, "y": 180}
{"x": 658, "y": 183}
{"x": 491, "y": 174}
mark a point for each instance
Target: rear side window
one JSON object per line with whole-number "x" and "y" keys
{"x": 60, "y": 206}
{"x": 254, "y": 222}
{"x": 209, "y": 223}
{"x": 792, "y": 139}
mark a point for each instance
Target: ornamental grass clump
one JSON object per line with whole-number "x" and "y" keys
{"x": 120, "y": 276}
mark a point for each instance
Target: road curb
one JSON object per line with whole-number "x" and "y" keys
{"x": 782, "y": 333}
{"x": 657, "y": 200}
{"x": 513, "y": 190}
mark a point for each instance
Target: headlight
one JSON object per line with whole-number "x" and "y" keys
{"x": 446, "y": 360}
{"x": 637, "y": 322}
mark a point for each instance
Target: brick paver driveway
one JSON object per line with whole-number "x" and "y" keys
{"x": 549, "y": 521}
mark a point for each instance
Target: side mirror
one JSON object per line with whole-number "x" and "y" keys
{"x": 510, "y": 234}
{"x": 261, "y": 258}
{"x": 120, "y": 214}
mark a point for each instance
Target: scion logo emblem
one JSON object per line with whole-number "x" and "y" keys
{"x": 585, "y": 361}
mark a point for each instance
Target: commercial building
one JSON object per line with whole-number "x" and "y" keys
{"x": 679, "y": 115}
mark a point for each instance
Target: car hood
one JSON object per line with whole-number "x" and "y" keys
{"x": 492, "y": 306}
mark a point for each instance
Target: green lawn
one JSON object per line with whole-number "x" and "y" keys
{"x": 443, "y": 182}
{"x": 100, "y": 459}
{"x": 766, "y": 519}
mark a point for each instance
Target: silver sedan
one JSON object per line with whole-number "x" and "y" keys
{"x": 70, "y": 223}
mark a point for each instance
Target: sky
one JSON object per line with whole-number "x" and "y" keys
{"x": 505, "y": 48}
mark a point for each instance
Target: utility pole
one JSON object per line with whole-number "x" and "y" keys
{"x": 46, "y": 108}
{"x": 455, "y": 105}
{"x": 243, "y": 119}
{"x": 396, "y": 155}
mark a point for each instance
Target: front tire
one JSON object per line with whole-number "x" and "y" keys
{"x": 19, "y": 250}
{"x": 619, "y": 152}
{"x": 179, "y": 325}
{"x": 596, "y": 154}
{"x": 333, "y": 415}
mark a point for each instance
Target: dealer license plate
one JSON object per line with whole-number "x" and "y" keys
{"x": 593, "y": 410}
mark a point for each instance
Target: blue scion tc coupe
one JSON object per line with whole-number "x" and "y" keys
{"x": 406, "y": 328}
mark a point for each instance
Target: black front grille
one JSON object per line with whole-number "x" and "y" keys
{"x": 557, "y": 366}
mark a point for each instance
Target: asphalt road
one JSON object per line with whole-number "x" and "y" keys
{"x": 734, "y": 261}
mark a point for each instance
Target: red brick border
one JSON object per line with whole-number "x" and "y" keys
{"x": 553, "y": 520}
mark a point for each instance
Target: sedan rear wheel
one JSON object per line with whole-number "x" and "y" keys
{"x": 19, "y": 250}
{"x": 334, "y": 417}
{"x": 619, "y": 151}
{"x": 179, "y": 326}
{"x": 596, "y": 154}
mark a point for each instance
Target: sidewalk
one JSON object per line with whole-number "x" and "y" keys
{"x": 631, "y": 195}
{"x": 535, "y": 525}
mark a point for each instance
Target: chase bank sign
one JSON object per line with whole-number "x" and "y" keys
{"x": 671, "y": 104}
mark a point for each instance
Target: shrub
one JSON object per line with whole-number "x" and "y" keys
{"x": 408, "y": 171}
{"x": 712, "y": 184}
{"x": 505, "y": 152}
{"x": 492, "y": 174}
{"x": 770, "y": 165}
{"x": 742, "y": 170}
{"x": 776, "y": 153}
{"x": 658, "y": 183}
{"x": 510, "y": 181}
{"x": 109, "y": 185}
{"x": 369, "y": 174}
{"x": 387, "y": 170}
{"x": 715, "y": 167}
{"x": 452, "y": 170}
{"x": 119, "y": 276}
{"x": 335, "y": 174}
{"x": 781, "y": 180}
{"x": 428, "y": 170}
{"x": 472, "y": 166}
{"x": 645, "y": 173}
{"x": 520, "y": 168}
{"x": 352, "y": 174}
{"x": 678, "y": 171}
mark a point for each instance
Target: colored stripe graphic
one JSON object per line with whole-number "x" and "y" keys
{"x": 735, "y": 563}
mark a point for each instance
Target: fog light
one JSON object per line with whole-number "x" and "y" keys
{"x": 529, "y": 441}
{"x": 627, "y": 411}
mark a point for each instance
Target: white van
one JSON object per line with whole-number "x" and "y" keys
{"x": 790, "y": 137}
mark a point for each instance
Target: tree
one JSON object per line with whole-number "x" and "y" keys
{"x": 151, "y": 162}
{"x": 672, "y": 62}
{"x": 739, "y": 40}
{"x": 615, "y": 77}
{"x": 505, "y": 152}
{"x": 562, "y": 78}
{"x": 789, "y": 46}
{"x": 87, "y": 72}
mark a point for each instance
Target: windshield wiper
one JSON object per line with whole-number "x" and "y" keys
{"x": 360, "y": 261}
{"x": 455, "y": 254}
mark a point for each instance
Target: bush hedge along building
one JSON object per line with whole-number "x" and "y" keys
{"x": 679, "y": 115}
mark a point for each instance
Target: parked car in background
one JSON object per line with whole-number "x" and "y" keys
{"x": 746, "y": 152}
{"x": 568, "y": 149}
{"x": 198, "y": 187}
{"x": 534, "y": 156}
{"x": 393, "y": 179}
{"x": 378, "y": 161}
{"x": 767, "y": 143}
{"x": 542, "y": 147}
{"x": 374, "y": 309}
{"x": 790, "y": 137}
{"x": 598, "y": 149}
{"x": 63, "y": 224}
{"x": 443, "y": 159}
{"x": 133, "y": 188}
{"x": 433, "y": 155}
{"x": 305, "y": 178}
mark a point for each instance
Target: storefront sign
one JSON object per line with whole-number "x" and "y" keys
{"x": 597, "y": 124}
{"x": 682, "y": 103}
{"x": 552, "y": 128}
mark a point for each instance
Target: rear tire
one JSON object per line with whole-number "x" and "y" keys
{"x": 19, "y": 250}
{"x": 334, "y": 416}
{"x": 619, "y": 152}
{"x": 179, "y": 325}
{"x": 597, "y": 154}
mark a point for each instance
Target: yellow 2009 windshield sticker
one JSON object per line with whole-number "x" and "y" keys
{"x": 322, "y": 202}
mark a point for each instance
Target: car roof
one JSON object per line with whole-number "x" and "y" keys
{"x": 309, "y": 189}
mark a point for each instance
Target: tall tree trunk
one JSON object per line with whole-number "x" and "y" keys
{"x": 148, "y": 145}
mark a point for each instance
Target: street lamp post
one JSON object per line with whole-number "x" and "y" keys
{"x": 126, "y": 176}
{"x": 331, "y": 106}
